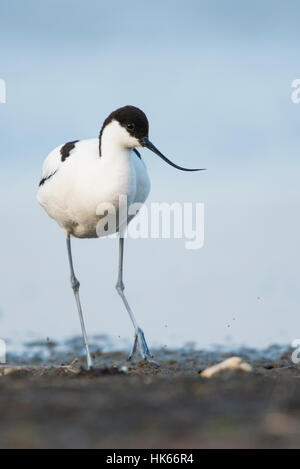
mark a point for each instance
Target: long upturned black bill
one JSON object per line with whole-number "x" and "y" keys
{"x": 145, "y": 142}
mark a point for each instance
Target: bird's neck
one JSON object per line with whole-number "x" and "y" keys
{"x": 111, "y": 144}
{"x": 112, "y": 151}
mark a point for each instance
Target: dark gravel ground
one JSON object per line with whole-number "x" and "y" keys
{"x": 145, "y": 406}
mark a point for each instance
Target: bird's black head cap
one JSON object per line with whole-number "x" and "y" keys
{"x": 133, "y": 119}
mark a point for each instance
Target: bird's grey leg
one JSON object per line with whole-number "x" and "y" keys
{"x": 75, "y": 285}
{"x": 140, "y": 343}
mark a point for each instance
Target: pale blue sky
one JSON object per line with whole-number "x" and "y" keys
{"x": 214, "y": 79}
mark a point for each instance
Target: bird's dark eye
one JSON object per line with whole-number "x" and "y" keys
{"x": 130, "y": 126}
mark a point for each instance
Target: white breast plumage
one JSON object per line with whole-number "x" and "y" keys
{"x": 72, "y": 189}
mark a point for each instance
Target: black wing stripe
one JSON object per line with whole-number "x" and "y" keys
{"x": 137, "y": 153}
{"x": 66, "y": 149}
{"x": 42, "y": 181}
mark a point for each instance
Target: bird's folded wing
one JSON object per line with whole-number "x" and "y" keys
{"x": 51, "y": 165}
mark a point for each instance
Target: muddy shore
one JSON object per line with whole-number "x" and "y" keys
{"x": 138, "y": 405}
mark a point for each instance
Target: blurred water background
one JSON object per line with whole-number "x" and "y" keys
{"x": 214, "y": 79}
